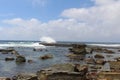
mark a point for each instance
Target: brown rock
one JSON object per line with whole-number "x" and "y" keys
{"x": 25, "y": 76}
{"x": 4, "y": 78}
{"x": 61, "y": 72}
{"x": 99, "y": 56}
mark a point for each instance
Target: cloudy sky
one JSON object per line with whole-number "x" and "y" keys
{"x": 63, "y": 20}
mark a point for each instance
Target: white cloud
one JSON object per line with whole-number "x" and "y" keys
{"x": 97, "y": 23}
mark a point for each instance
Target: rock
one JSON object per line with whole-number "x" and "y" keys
{"x": 4, "y": 52}
{"x": 15, "y": 53}
{"x": 25, "y": 76}
{"x": 61, "y": 72}
{"x": 30, "y": 61}
{"x": 100, "y": 61}
{"x": 78, "y": 49}
{"x": 99, "y": 56}
{"x": 90, "y": 61}
{"x": 9, "y": 59}
{"x": 4, "y": 78}
{"x": 102, "y": 50}
{"x": 20, "y": 59}
{"x": 75, "y": 56}
{"x": 46, "y": 56}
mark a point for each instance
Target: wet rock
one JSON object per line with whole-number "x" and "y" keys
{"x": 102, "y": 50}
{"x": 9, "y": 59}
{"x": 89, "y": 61}
{"x": 100, "y": 61}
{"x": 79, "y": 68}
{"x": 30, "y": 61}
{"x": 99, "y": 56}
{"x": 46, "y": 56}
{"x": 15, "y": 53}
{"x": 62, "y": 72}
{"x": 4, "y": 52}
{"x": 75, "y": 56}
{"x": 20, "y": 59}
{"x": 78, "y": 49}
{"x": 25, "y": 76}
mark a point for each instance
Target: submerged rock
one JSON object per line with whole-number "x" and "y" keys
{"x": 46, "y": 56}
{"x": 30, "y": 61}
{"x": 9, "y": 59}
{"x": 20, "y": 59}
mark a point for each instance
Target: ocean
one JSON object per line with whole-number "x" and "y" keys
{"x": 26, "y": 48}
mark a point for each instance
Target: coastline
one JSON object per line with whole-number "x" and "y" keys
{"x": 73, "y": 57}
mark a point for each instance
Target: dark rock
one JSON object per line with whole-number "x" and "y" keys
{"x": 78, "y": 49}
{"x": 20, "y": 59}
{"x": 4, "y": 52}
{"x": 9, "y": 59}
{"x": 46, "y": 56}
{"x": 30, "y": 61}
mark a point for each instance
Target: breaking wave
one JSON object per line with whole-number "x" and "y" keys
{"x": 21, "y": 44}
{"x": 47, "y": 40}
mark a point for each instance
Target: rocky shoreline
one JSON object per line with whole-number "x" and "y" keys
{"x": 92, "y": 69}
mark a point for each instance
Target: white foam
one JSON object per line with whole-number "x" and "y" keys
{"x": 30, "y": 45}
{"x": 47, "y": 40}
{"x": 105, "y": 45}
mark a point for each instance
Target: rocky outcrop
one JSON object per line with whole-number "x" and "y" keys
{"x": 20, "y": 59}
{"x": 63, "y": 72}
{"x": 25, "y": 76}
{"x": 78, "y": 49}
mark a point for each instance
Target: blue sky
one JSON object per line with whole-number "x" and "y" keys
{"x": 63, "y": 20}
{"x": 44, "y": 10}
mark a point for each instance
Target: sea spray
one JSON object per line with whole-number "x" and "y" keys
{"x": 47, "y": 40}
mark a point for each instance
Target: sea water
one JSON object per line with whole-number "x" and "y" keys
{"x": 26, "y": 48}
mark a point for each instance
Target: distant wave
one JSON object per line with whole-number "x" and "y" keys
{"x": 21, "y": 44}
{"x": 105, "y": 45}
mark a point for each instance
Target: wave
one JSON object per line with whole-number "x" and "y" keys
{"x": 22, "y": 44}
{"x": 105, "y": 45}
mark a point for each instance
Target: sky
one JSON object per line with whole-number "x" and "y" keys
{"x": 62, "y": 20}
